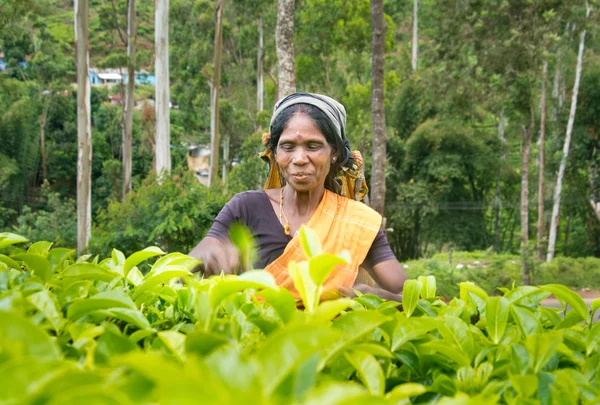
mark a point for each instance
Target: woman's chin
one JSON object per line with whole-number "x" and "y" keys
{"x": 302, "y": 184}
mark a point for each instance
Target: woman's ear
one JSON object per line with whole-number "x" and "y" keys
{"x": 334, "y": 156}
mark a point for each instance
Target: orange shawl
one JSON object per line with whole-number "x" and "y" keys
{"x": 341, "y": 224}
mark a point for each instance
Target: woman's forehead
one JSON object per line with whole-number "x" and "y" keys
{"x": 301, "y": 128}
{"x": 302, "y": 136}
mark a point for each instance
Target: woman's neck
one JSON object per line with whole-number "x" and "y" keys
{"x": 303, "y": 203}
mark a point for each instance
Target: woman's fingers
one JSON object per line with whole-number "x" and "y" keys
{"x": 210, "y": 264}
{"x": 216, "y": 256}
{"x": 233, "y": 258}
{"x": 366, "y": 289}
{"x": 348, "y": 292}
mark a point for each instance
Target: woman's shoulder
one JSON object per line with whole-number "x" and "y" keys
{"x": 356, "y": 206}
{"x": 249, "y": 198}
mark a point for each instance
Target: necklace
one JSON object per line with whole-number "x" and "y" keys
{"x": 286, "y": 226}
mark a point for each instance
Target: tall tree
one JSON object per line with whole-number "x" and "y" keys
{"x": 542, "y": 165}
{"x": 163, "y": 100}
{"x": 130, "y": 95}
{"x": 566, "y": 146}
{"x": 525, "y": 154}
{"x": 260, "y": 73}
{"x": 377, "y": 197}
{"x": 415, "y": 37}
{"x": 498, "y": 192}
{"x": 84, "y": 129}
{"x": 214, "y": 94}
{"x": 284, "y": 39}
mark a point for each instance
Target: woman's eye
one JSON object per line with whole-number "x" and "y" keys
{"x": 314, "y": 146}
{"x": 287, "y": 147}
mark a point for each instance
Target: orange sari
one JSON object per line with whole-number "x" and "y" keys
{"x": 341, "y": 224}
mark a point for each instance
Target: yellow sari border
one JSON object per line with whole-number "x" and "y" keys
{"x": 341, "y": 224}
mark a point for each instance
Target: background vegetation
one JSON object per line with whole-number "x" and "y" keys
{"x": 455, "y": 124}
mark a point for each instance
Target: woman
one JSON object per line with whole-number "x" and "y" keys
{"x": 313, "y": 180}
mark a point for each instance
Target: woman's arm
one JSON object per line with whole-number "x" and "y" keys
{"x": 216, "y": 251}
{"x": 389, "y": 274}
{"x": 367, "y": 289}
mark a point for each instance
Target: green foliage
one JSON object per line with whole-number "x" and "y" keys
{"x": 492, "y": 272}
{"x": 489, "y": 273}
{"x": 477, "y": 61}
{"x": 56, "y": 223}
{"x": 446, "y": 165}
{"x": 174, "y": 215}
{"x": 573, "y": 272}
{"x": 99, "y": 331}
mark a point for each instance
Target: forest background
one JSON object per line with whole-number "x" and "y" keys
{"x": 476, "y": 118}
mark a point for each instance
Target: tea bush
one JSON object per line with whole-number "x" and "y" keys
{"x": 174, "y": 215}
{"x": 492, "y": 272}
{"x": 85, "y": 330}
{"x": 57, "y": 222}
{"x": 575, "y": 272}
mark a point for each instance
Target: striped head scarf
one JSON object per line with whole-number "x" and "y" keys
{"x": 352, "y": 181}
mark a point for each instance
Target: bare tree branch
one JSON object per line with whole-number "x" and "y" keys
{"x": 116, "y": 22}
{"x": 596, "y": 208}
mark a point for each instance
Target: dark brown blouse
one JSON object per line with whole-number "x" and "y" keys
{"x": 254, "y": 209}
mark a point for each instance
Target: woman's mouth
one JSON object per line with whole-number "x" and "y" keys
{"x": 300, "y": 176}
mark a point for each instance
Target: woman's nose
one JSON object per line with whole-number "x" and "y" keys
{"x": 300, "y": 156}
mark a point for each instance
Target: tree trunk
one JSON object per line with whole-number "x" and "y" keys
{"x": 415, "y": 38}
{"x": 163, "y": 99}
{"x": 542, "y": 168}
{"x": 43, "y": 121}
{"x": 527, "y": 136}
{"x": 130, "y": 96}
{"x": 567, "y": 234}
{"x": 214, "y": 101}
{"x": 378, "y": 108}
{"x": 596, "y": 207}
{"x": 284, "y": 40}
{"x": 594, "y": 187}
{"x": 498, "y": 193}
{"x": 565, "y": 155}
{"x": 226, "y": 143}
{"x": 84, "y": 130}
{"x": 260, "y": 74}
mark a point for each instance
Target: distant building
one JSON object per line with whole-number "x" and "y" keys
{"x": 198, "y": 160}
{"x": 110, "y": 77}
{"x": 3, "y": 67}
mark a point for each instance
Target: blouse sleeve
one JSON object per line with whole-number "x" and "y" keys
{"x": 380, "y": 251}
{"x": 233, "y": 211}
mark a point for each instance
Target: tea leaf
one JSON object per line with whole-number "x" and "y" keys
{"x": 570, "y": 297}
{"x": 7, "y": 239}
{"x": 428, "y": 286}
{"x": 141, "y": 256}
{"x": 410, "y": 296}
{"x": 309, "y": 241}
{"x": 368, "y": 371}
{"x": 496, "y": 312}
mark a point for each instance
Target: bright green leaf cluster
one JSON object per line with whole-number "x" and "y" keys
{"x": 99, "y": 331}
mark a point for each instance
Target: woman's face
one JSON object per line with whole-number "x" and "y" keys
{"x": 303, "y": 154}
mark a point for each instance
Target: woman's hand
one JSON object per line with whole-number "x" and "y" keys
{"x": 367, "y": 289}
{"x": 217, "y": 256}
